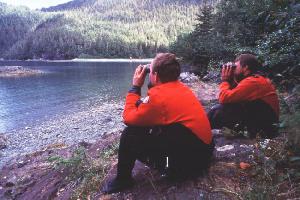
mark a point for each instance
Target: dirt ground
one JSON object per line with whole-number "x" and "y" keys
{"x": 33, "y": 177}
{"x": 225, "y": 179}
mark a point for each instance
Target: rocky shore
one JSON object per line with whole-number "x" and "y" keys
{"x": 86, "y": 125}
{"x": 17, "y": 71}
{"x": 72, "y": 156}
{"x": 26, "y": 171}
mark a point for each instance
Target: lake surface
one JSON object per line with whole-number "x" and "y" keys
{"x": 66, "y": 87}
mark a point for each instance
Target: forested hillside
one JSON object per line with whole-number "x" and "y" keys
{"x": 95, "y": 28}
{"x": 15, "y": 24}
{"x": 267, "y": 28}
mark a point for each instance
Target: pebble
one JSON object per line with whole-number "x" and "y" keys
{"x": 225, "y": 148}
{"x": 9, "y": 184}
{"x": 3, "y": 141}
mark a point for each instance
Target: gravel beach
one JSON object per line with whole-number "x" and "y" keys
{"x": 86, "y": 125}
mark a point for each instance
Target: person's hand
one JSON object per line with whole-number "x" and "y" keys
{"x": 139, "y": 76}
{"x": 227, "y": 72}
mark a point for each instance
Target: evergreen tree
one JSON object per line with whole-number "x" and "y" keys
{"x": 267, "y": 28}
{"x": 202, "y": 36}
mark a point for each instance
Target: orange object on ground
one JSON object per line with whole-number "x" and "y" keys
{"x": 244, "y": 165}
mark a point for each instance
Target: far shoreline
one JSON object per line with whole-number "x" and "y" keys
{"x": 83, "y": 60}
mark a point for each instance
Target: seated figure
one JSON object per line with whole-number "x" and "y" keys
{"x": 248, "y": 100}
{"x": 168, "y": 130}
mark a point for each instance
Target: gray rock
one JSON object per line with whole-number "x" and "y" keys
{"x": 21, "y": 164}
{"x": 9, "y": 184}
{"x": 84, "y": 144}
{"x": 187, "y": 77}
{"x": 11, "y": 181}
{"x": 107, "y": 119}
{"x": 212, "y": 76}
{"x": 292, "y": 100}
{"x": 3, "y": 142}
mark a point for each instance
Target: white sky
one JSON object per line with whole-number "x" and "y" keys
{"x": 33, "y": 4}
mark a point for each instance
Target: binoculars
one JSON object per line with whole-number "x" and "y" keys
{"x": 233, "y": 66}
{"x": 147, "y": 70}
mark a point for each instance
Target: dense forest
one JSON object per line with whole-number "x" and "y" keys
{"x": 15, "y": 24}
{"x": 205, "y": 33}
{"x": 268, "y": 28}
{"x": 95, "y": 28}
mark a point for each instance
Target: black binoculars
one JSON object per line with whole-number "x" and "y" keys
{"x": 233, "y": 66}
{"x": 147, "y": 70}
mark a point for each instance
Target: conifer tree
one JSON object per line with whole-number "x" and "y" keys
{"x": 202, "y": 38}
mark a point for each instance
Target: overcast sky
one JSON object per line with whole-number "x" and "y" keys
{"x": 33, "y": 4}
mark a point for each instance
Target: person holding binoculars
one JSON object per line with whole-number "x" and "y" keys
{"x": 168, "y": 130}
{"x": 248, "y": 99}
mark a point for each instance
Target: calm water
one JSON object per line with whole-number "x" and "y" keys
{"x": 66, "y": 87}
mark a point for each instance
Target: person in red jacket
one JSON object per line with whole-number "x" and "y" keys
{"x": 168, "y": 130}
{"x": 248, "y": 100}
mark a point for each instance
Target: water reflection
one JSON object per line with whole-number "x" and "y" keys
{"x": 65, "y": 88}
{"x": 4, "y": 111}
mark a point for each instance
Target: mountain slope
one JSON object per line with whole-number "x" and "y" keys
{"x": 15, "y": 24}
{"x": 106, "y": 28}
{"x": 68, "y": 6}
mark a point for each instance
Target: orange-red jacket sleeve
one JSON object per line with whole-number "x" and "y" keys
{"x": 244, "y": 91}
{"x": 148, "y": 113}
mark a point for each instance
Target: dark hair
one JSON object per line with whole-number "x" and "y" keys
{"x": 167, "y": 67}
{"x": 249, "y": 60}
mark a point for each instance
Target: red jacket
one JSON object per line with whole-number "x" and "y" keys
{"x": 169, "y": 103}
{"x": 251, "y": 88}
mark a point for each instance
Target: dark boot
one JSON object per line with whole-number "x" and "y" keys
{"x": 118, "y": 185}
